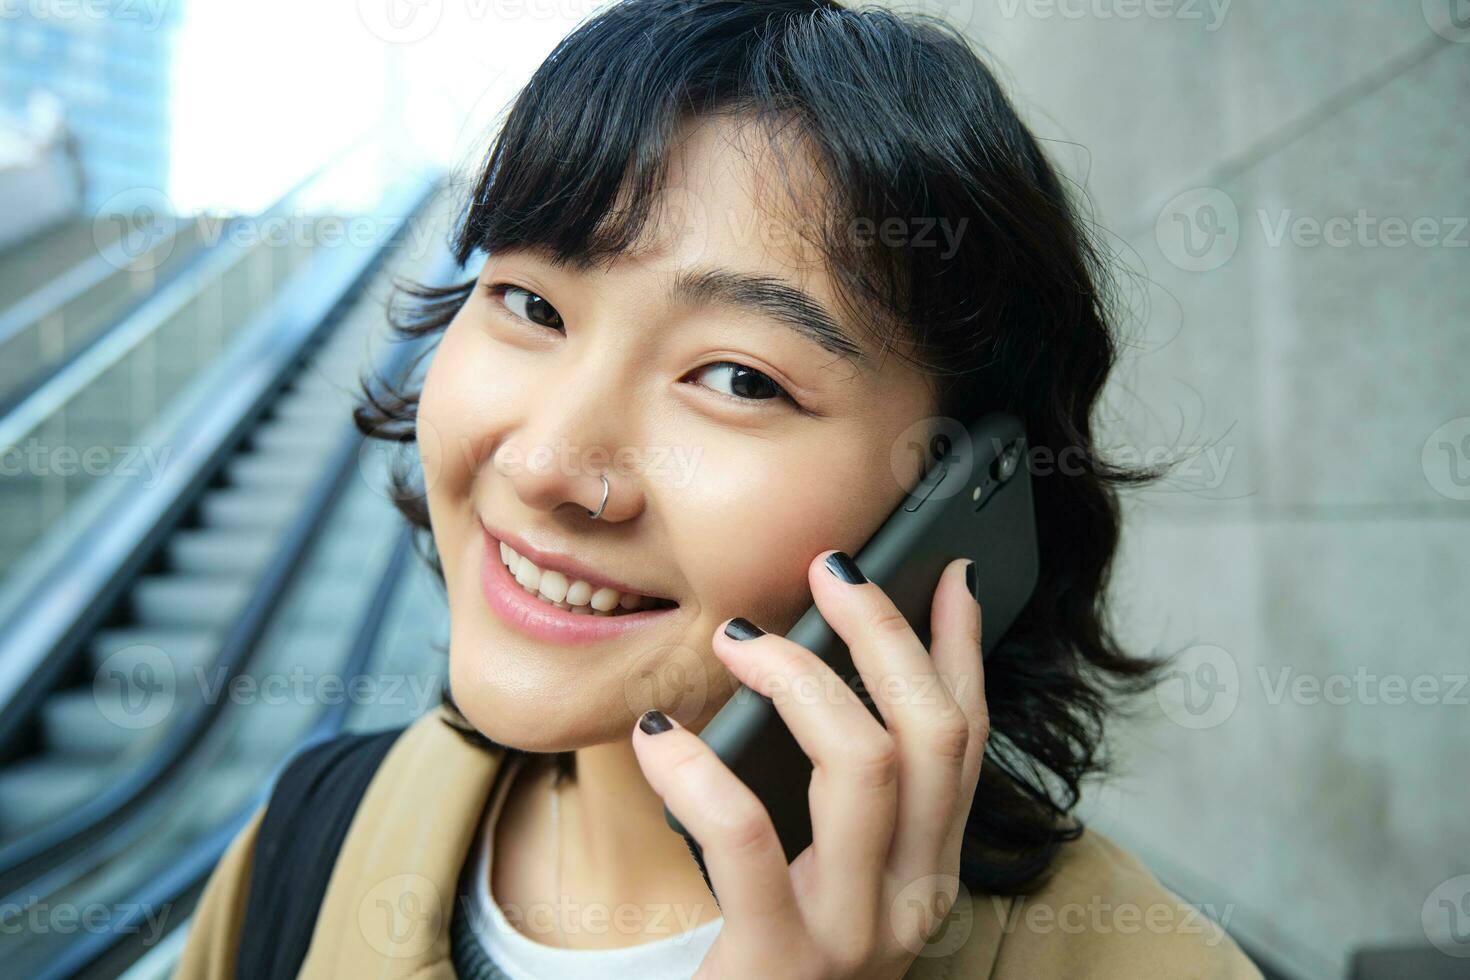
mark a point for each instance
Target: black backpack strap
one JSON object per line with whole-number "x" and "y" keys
{"x": 296, "y": 845}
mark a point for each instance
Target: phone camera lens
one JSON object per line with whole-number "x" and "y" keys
{"x": 1004, "y": 466}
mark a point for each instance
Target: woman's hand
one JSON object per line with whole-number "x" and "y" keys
{"x": 888, "y": 800}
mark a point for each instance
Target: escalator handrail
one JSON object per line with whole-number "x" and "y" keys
{"x": 24, "y": 413}
{"x": 30, "y": 866}
{"x": 75, "y": 591}
{"x": 187, "y": 875}
{"x": 83, "y": 275}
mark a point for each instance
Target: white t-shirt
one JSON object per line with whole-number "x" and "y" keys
{"x": 522, "y": 958}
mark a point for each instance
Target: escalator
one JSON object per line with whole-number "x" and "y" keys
{"x": 70, "y": 282}
{"x": 93, "y": 357}
{"x": 400, "y": 636}
{"x": 142, "y": 638}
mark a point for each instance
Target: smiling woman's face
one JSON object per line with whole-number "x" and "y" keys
{"x": 722, "y": 489}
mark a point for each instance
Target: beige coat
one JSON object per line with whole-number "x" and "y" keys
{"x": 386, "y": 909}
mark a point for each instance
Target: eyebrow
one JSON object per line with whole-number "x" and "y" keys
{"x": 766, "y": 296}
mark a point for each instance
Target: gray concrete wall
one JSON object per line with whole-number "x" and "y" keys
{"x": 1307, "y": 768}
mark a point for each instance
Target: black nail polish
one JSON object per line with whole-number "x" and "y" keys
{"x": 972, "y": 580}
{"x": 741, "y": 628}
{"x": 839, "y": 564}
{"x": 654, "y": 721}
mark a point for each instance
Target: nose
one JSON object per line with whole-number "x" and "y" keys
{"x": 567, "y": 442}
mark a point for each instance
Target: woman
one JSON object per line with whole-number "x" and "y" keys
{"x": 730, "y": 255}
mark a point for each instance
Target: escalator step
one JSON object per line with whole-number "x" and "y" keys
{"x": 128, "y": 648}
{"x": 294, "y": 436}
{"x": 174, "y": 600}
{"x": 211, "y": 551}
{"x": 233, "y": 507}
{"x": 272, "y": 470}
{"x": 99, "y": 723}
{"x": 41, "y": 789}
{"x": 313, "y": 408}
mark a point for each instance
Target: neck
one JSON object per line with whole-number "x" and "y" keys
{"x": 626, "y": 876}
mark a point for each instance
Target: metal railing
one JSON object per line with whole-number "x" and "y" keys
{"x": 47, "y": 622}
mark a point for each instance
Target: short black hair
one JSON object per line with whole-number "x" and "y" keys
{"x": 904, "y": 119}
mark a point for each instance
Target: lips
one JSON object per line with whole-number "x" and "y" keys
{"x": 577, "y": 594}
{"x": 570, "y": 568}
{"x": 542, "y": 620}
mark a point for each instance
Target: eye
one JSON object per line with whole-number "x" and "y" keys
{"x": 746, "y": 383}
{"x": 526, "y": 305}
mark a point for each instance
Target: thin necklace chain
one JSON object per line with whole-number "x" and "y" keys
{"x": 556, "y": 833}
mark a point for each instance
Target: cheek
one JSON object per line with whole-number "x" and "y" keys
{"x": 427, "y": 435}
{"x": 757, "y": 525}
{"x": 462, "y": 405}
{"x": 450, "y": 427}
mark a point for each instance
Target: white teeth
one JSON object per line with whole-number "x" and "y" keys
{"x": 528, "y": 575}
{"x": 554, "y": 586}
{"x": 576, "y": 595}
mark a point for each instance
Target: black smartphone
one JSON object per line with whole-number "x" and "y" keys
{"x": 973, "y": 501}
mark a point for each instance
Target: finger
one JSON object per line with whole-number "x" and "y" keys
{"x": 955, "y": 637}
{"x": 895, "y": 667}
{"x": 742, "y": 853}
{"x": 930, "y": 730}
{"x": 854, "y": 789}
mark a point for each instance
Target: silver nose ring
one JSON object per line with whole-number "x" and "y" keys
{"x": 600, "y": 507}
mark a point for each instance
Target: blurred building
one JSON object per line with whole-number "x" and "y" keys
{"x": 108, "y": 62}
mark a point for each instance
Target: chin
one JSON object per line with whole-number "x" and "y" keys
{"x": 520, "y": 703}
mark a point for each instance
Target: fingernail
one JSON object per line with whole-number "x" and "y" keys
{"x": 654, "y": 721}
{"x": 741, "y": 628}
{"x": 972, "y": 580}
{"x": 839, "y": 564}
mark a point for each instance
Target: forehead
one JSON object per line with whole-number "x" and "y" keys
{"x": 740, "y": 216}
{"x": 738, "y": 195}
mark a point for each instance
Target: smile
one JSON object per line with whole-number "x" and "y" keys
{"x": 549, "y": 605}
